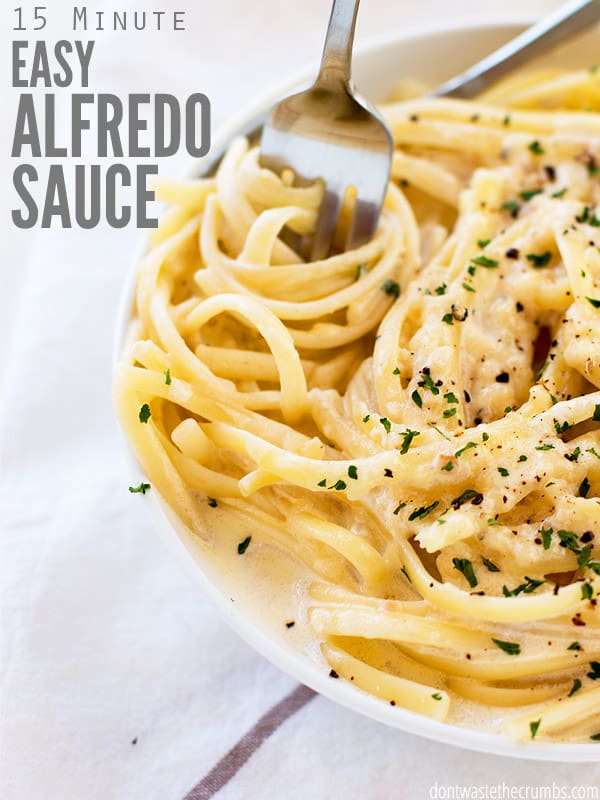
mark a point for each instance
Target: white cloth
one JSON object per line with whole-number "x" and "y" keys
{"x": 117, "y": 679}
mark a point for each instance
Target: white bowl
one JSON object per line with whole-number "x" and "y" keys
{"x": 431, "y": 54}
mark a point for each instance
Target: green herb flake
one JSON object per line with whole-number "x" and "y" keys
{"x": 416, "y": 398}
{"x": 322, "y": 483}
{"x": 493, "y": 522}
{"x": 536, "y": 148}
{"x": 512, "y": 206}
{"x": 491, "y": 567}
{"x": 436, "y": 696}
{"x": 503, "y": 471}
{"x": 441, "y": 289}
{"x": 462, "y": 450}
{"x": 595, "y": 737}
{"x": 469, "y": 495}
{"x": 587, "y": 591}
{"x": 573, "y": 456}
{"x": 546, "y": 534}
{"x": 584, "y": 487}
{"x": 168, "y": 377}
{"x": 561, "y": 427}
{"x": 360, "y": 269}
{"x": 391, "y": 288}
{"x": 528, "y": 195}
{"x": 569, "y": 540}
{"x": 405, "y": 573}
{"x": 512, "y": 648}
{"x": 141, "y": 489}
{"x": 448, "y": 319}
{"x": 545, "y": 447}
{"x": 483, "y": 243}
{"x": 386, "y": 424}
{"x": 407, "y": 438}
{"x": 423, "y": 511}
{"x": 450, "y": 397}
{"x": 533, "y": 727}
{"x": 467, "y": 287}
{"x": 471, "y": 269}
{"x": 561, "y": 193}
{"x": 212, "y": 502}
{"x": 540, "y": 260}
{"x": 427, "y": 383}
{"x": 506, "y": 120}
{"x": 594, "y": 675}
{"x": 398, "y": 509}
{"x": 145, "y": 413}
{"x": 483, "y": 261}
{"x": 353, "y": 472}
{"x": 522, "y": 457}
{"x": 448, "y": 467}
{"x": 366, "y": 418}
{"x": 465, "y": 567}
{"x": 339, "y": 486}
{"x": 485, "y": 437}
{"x": 449, "y": 412}
{"x": 575, "y": 688}
{"x": 593, "y": 451}
{"x": 396, "y": 371}
{"x": 574, "y": 646}
{"x": 243, "y": 546}
{"x": 593, "y": 301}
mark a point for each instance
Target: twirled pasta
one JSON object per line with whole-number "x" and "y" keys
{"x": 417, "y": 420}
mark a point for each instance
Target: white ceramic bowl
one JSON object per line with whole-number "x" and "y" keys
{"x": 431, "y": 54}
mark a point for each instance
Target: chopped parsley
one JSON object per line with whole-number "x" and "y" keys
{"x": 546, "y": 534}
{"x": 522, "y": 457}
{"x": 541, "y": 260}
{"x": 352, "y": 472}
{"x": 561, "y": 427}
{"x": 396, "y": 371}
{"x": 243, "y": 546}
{"x": 168, "y": 377}
{"x": 141, "y": 489}
{"x": 574, "y": 646}
{"x": 416, "y": 398}
{"x": 533, "y": 727}
{"x": 366, "y": 418}
{"x": 491, "y": 567}
{"x": 423, "y": 511}
{"x": 536, "y": 148}
{"x": 427, "y": 383}
{"x": 448, "y": 319}
{"x": 465, "y": 567}
{"x": 596, "y": 415}
{"x": 594, "y": 302}
{"x": 438, "y": 696}
{"x": 512, "y": 206}
{"x": 482, "y": 243}
{"x": 391, "y": 288}
{"x": 528, "y": 195}
{"x": 449, "y": 412}
{"x": 398, "y": 509}
{"x": 145, "y": 413}
{"x": 506, "y": 120}
{"x": 575, "y": 688}
{"x": 360, "y": 268}
{"x": 404, "y": 571}
{"x": 407, "y": 437}
{"x": 574, "y": 455}
{"x": 323, "y": 482}
{"x": 212, "y": 502}
{"x": 448, "y": 467}
{"x": 462, "y": 450}
{"x": 386, "y": 424}
{"x": 503, "y": 471}
{"x": 561, "y": 193}
{"x": 471, "y": 495}
{"x": 339, "y": 486}
{"x": 512, "y": 648}
{"x": 584, "y": 487}
{"x": 545, "y": 447}
{"x": 483, "y": 261}
{"x": 594, "y": 675}
{"x": 450, "y": 397}
{"x": 441, "y": 289}
{"x": 587, "y": 591}
{"x": 530, "y": 585}
{"x": 467, "y": 287}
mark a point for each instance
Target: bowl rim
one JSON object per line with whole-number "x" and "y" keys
{"x": 188, "y": 549}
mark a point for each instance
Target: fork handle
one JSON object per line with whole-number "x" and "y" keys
{"x": 337, "y": 51}
{"x": 568, "y": 20}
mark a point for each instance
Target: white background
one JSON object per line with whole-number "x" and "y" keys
{"x": 102, "y": 638}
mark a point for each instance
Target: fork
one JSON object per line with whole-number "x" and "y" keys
{"x": 327, "y": 132}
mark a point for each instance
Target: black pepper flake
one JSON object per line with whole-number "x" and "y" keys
{"x": 414, "y": 118}
{"x": 333, "y": 674}
{"x": 512, "y": 252}
{"x": 519, "y": 306}
{"x": 290, "y": 624}
{"x": 467, "y": 396}
{"x": 388, "y": 473}
{"x": 550, "y": 172}
{"x": 134, "y": 740}
{"x": 503, "y": 377}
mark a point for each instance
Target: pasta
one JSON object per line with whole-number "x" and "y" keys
{"x": 416, "y": 421}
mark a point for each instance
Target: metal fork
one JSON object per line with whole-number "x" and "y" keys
{"x": 328, "y": 133}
